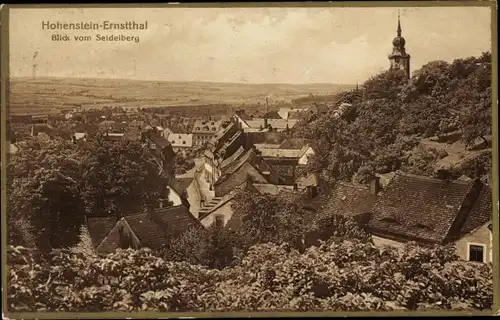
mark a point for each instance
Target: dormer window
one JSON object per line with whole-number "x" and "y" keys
{"x": 390, "y": 220}
{"x": 423, "y": 226}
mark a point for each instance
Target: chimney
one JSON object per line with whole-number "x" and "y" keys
{"x": 267, "y": 105}
{"x": 265, "y": 122}
{"x": 375, "y": 186}
{"x": 443, "y": 174}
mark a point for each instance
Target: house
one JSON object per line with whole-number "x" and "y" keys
{"x": 160, "y": 147}
{"x": 266, "y": 138}
{"x": 421, "y": 209}
{"x": 475, "y": 241}
{"x": 79, "y": 136}
{"x": 252, "y": 124}
{"x": 285, "y": 113}
{"x": 181, "y": 142}
{"x": 224, "y": 147}
{"x": 21, "y": 119}
{"x": 12, "y": 148}
{"x": 219, "y": 210}
{"x": 290, "y": 158}
{"x": 40, "y": 119}
{"x": 140, "y": 230}
{"x": 247, "y": 167}
{"x": 42, "y": 128}
{"x": 273, "y": 189}
{"x": 204, "y": 130}
{"x": 177, "y": 190}
{"x": 166, "y": 132}
{"x": 113, "y": 136}
{"x": 351, "y": 200}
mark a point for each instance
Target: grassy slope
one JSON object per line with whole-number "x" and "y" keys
{"x": 42, "y": 95}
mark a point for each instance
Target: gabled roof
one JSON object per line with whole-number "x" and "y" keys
{"x": 418, "y": 208}
{"x": 481, "y": 213}
{"x": 184, "y": 183}
{"x": 272, "y": 188}
{"x": 247, "y": 157}
{"x": 266, "y": 137}
{"x": 295, "y": 143}
{"x": 349, "y": 199}
{"x": 158, "y": 140}
{"x": 206, "y": 126}
{"x": 272, "y": 115}
{"x": 280, "y": 153}
{"x": 180, "y": 139}
{"x": 225, "y": 199}
{"x": 99, "y": 228}
{"x": 149, "y": 229}
{"x": 152, "y": 229}
{"x": 226, "y": 162}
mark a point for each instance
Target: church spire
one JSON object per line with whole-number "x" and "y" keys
{"x": 399, "y": 26}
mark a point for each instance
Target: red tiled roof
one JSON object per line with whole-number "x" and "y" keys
{"x": 418, "y": 208}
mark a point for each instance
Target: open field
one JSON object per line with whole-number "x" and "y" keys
{"x": 43, "y": 95}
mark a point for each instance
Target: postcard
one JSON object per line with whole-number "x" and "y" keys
{"x": 249, "y": 159}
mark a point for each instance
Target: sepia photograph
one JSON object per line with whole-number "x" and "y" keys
{"x": 241, "y": 159}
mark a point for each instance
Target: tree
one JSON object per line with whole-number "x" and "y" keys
{"x": 120, "y": 177}
{"x": 271, "y": 218}
{"x": 378, "y": 133}
{"x": 212, "y": 248}
{"x": 53, "y": 184}
{"x": 45, "y": 204}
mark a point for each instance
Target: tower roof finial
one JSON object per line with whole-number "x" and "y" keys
{"x": 399, "y": 25}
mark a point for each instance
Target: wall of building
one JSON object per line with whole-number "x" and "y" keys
{"x": 305, "y": 158}
{"x": 481, "y": 236}
{"x": 238, "y": 178}
{"x": 381, "y": 242}
{"x": 224, "y": 210}
{"x": 120, "y": 235}
{"x": 174, "y": 197}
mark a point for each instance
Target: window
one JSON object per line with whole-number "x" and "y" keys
{"x": 219, "y": 220}
{"x": 476, "y": 252}
{"x": 183, "y": 142}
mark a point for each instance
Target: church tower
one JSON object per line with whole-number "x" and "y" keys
{"x": 399, "y": 59}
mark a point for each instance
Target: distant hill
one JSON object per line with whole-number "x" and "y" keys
{"x": 42, "y": 95}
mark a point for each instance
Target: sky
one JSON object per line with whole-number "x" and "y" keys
{"x": 249, "y": 45}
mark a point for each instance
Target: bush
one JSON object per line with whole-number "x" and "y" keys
{"x": 338, "y": 275}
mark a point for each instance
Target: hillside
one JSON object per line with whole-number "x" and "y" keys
{"x": 439, "y": 119}
{"x": 42, "y": 95}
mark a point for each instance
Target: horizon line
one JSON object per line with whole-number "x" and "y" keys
{"x": 178, "y": 81}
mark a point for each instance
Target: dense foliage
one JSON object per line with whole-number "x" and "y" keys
{"x": 339, "y": 275}
{"x": 53, "y": 184}
{"x": 393, "y": 115}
